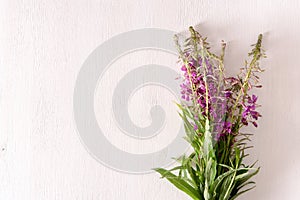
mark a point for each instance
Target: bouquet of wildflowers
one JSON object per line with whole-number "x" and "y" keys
{"x": 214, "y": 110}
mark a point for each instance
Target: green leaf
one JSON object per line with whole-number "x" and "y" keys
{"x": 245, "y": 184}
{"x": 242, "y": 192}
{"x": 218, "y": 182}
{"x": 241, "y": 179}
{"x": 180, "y": 184}
{"x": 247, "y": 175}
{"x": 228, "y": 188}
{"x": 189, "y": 129}
{"x": 227, "y": 177}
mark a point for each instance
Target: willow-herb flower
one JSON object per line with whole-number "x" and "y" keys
{"x": 214, "y": 109}
{"x": 249, "y": 112}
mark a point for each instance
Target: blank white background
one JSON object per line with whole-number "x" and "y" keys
{"x": 42, "y": 47}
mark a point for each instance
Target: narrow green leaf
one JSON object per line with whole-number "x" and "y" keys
{"x": 242, "y": 192}
{"x": 180, "y": 184}
{"x": 247, "y": 175}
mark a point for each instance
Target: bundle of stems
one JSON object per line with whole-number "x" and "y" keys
{"x": 214, "y": 110}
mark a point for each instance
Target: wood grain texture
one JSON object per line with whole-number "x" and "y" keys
{"x": 42, "y": 47}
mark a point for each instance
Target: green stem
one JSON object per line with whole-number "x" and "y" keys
{"x": 256, "y": 52}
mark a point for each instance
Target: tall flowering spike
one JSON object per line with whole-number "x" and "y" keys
{"x": 203, "y": 80}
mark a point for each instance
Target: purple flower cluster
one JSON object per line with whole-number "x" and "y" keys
{"x": 223, "y": 99}
{"x": 193, "y": 88}
{"x": 193, "y": 85}
{"x": 249, "y": 111}
{"x": 223, "y": 129}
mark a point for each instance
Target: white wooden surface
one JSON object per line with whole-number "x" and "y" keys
{"x": 42, "y": 47}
